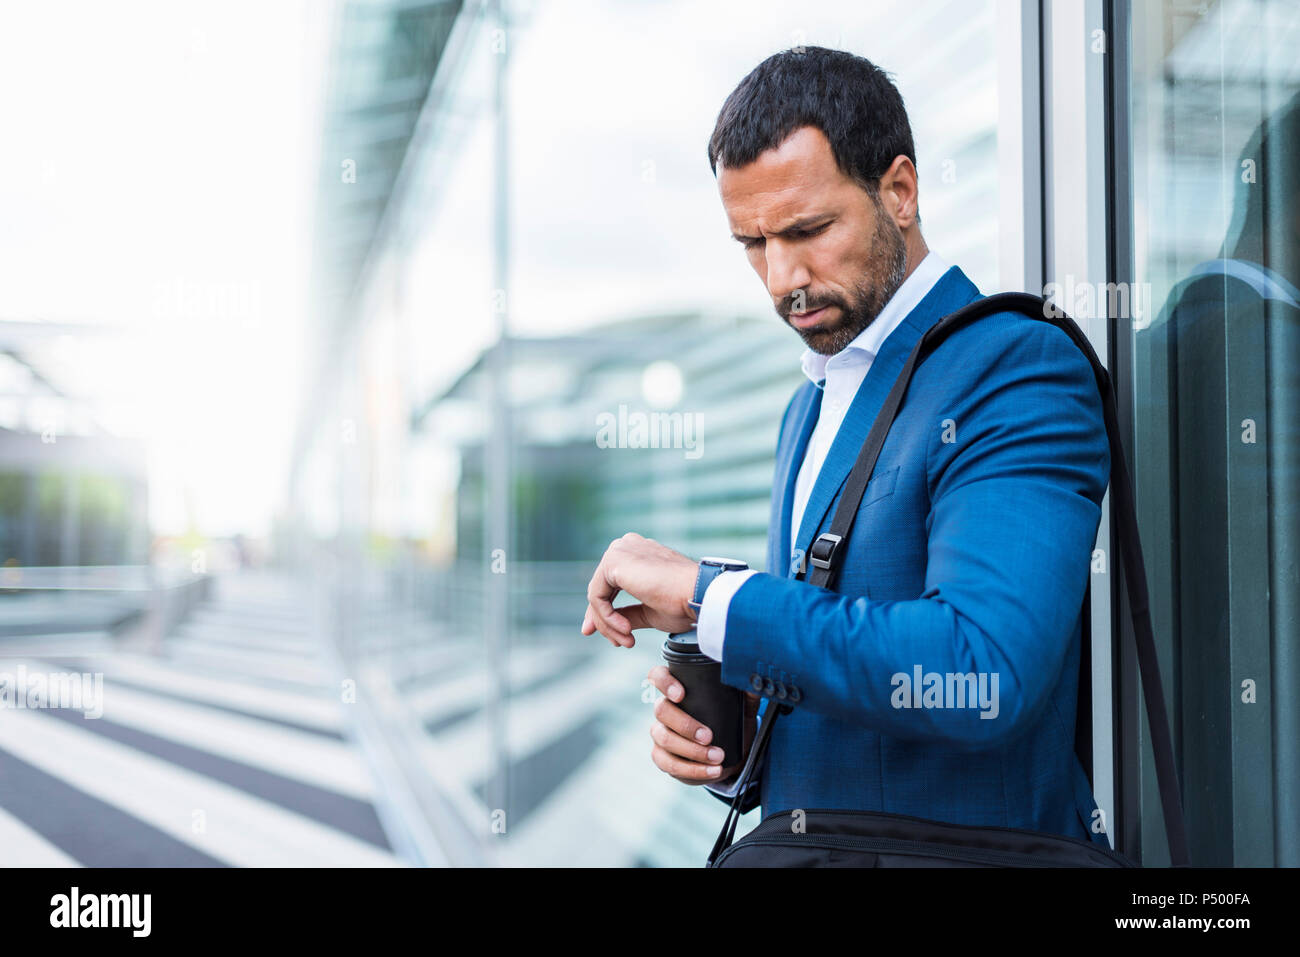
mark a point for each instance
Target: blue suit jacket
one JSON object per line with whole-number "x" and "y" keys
{"x": 970, "y": 553}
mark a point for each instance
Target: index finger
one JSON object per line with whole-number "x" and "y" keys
{"x": 600, "y": 598}
{"x": 663, "y": 679}
{"x": 675, "y": 719}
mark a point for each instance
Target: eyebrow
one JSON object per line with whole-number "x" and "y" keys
{"x": 798, "y": 226}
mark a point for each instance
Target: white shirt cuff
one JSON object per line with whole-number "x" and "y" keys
{"x": 711, "y": 629}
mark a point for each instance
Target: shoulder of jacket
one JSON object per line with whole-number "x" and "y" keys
{"x": 1008, "y": 334}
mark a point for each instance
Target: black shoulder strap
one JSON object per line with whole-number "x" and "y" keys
{"x": 827, "y": 550}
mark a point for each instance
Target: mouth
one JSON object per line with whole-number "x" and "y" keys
{"x": 806, "y": 320}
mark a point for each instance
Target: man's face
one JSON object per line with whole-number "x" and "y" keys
{"x": 830, "y": 255}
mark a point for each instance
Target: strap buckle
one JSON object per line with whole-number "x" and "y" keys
{"x": 823, "y": 549}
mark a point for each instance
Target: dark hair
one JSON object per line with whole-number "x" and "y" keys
{"x": 847, "y": 97}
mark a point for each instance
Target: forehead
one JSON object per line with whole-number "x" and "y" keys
{"x": 799, "y": 173}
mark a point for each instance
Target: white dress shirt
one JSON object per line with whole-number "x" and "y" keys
{"x": 839, "y": 377}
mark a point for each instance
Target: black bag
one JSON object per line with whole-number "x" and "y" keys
{"x": 845, "y": 838}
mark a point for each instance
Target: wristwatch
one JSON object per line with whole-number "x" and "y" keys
{"x": 711, "y": 568}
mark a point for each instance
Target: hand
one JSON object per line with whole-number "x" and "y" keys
{"x": 679, "y": 749}
{"x": 662, "y": 580}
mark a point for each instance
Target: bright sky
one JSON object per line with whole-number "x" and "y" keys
{"x": 156, "y": 177}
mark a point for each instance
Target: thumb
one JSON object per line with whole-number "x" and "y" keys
{"x": 637, "y": 616}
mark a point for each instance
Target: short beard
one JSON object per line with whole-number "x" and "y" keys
{"x": 888, "y": 247}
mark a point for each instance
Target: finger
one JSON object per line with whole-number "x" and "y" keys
{"x": 617, "y": 618}
{"x": 588, "y": 622}
{"x": 674, "y": 743}
{"x": 601, "y": 592}
{"x": 615, "y": 635}
{"x": 681, "y": 769}
{"x": 663, "y": 679}
{"x": 635, "y": 616}
{"x": 612, "y": 616}
{"x": 610, "y": 623}
{"x": 610, "y": 630}
{"x": 600, "y": 596}
{"x": 678, "y": 720}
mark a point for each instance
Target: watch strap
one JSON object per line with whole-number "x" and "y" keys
{"x": 711, "y": 568}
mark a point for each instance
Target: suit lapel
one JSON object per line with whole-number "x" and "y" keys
{"x": 951, "y": 292}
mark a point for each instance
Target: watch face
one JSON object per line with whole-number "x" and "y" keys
{"x": 725, "y": 562}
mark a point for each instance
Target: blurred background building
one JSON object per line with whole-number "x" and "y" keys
{"x": 321, "y": 375}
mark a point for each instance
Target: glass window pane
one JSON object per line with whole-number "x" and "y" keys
{"x": 626, "y": 297}
{"x": 1216, "y": 224}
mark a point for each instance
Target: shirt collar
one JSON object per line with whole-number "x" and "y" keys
{"x": 869, "y": 340}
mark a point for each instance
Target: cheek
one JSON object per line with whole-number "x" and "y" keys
{"x": 836, "y": 262}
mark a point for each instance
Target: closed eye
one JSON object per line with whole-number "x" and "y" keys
{"x": 805, "y": 233}
{"x": 753, "y": 242}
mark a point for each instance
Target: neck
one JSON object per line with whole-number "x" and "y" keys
{"x": 916, "y": 248}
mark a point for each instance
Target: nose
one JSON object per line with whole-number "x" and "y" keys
{"x": 785, "y": 271}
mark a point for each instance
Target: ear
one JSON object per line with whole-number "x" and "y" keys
{"x": 898, "y": 192}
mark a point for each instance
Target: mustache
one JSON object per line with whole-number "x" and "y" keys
{"x": 786, "y": 307}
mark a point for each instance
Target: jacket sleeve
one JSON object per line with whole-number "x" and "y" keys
{"x": 1015, "y": 506}
{"x": 751, "y": 799}
{"x": 747, "y": 803}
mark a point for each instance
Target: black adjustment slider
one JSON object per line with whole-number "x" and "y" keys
{"x": 823, "y": 549}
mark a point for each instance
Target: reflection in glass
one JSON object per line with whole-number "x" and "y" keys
{"x": 1216, "y": 200}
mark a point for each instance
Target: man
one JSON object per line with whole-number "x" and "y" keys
{"x": 971, "y": 549}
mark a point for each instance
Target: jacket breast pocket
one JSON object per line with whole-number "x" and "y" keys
{"x": 880, "y": 486}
